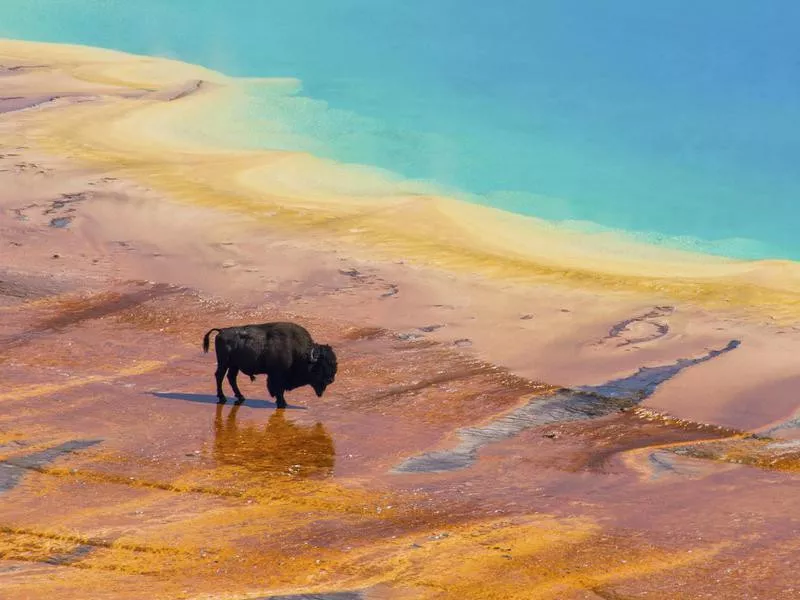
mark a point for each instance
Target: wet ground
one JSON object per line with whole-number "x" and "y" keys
{"x": 422, "y": 473}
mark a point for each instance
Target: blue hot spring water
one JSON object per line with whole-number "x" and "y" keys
{"x": 675, "y": 122}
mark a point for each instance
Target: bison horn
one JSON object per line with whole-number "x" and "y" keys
{"x": 314, "y": 356}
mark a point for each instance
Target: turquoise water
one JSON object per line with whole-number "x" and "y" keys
{"x": 677, "y": 121}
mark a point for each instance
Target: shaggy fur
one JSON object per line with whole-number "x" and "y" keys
{"x": 284, "y": 352}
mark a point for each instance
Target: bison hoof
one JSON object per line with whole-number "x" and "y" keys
{"x": 280, "y": 405}
{"x": 239, "y": 399}
{"x": 221, "y": 399}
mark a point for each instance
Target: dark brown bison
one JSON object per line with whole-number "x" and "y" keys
{"x": 284, "y": 352}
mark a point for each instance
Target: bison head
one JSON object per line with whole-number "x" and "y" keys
{"x": 322, "y": 367}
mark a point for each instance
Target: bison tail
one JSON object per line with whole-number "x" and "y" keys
{"x": 205, "y": 338}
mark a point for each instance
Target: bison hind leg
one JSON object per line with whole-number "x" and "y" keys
{"x": 232, "y": 373}
{"x": 220, "y": 375}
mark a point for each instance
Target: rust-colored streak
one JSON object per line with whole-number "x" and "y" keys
{"x": 71, "y": 311}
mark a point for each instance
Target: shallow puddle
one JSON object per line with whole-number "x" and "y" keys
{"x": 13, "y": 469}
{"x": 588, "y": 402}
{"x": 330, "y": 596}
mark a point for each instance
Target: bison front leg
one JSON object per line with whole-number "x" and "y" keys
{"x": 276, "y": 390}
{"x": 232, "y": 373}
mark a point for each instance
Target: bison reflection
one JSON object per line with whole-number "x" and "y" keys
{"x": 280, "y": 447}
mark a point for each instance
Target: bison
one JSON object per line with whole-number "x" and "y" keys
{"x": 284, "y": 352}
